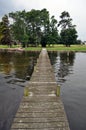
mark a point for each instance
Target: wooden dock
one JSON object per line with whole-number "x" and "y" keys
{"x": 41, "y": 108}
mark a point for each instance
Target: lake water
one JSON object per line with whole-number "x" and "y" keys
{"x": 15, "y": 71}
{"x": 70, "y": 73}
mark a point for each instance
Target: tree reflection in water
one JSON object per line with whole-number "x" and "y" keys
{"x": 63, "y": 63}
{"x": 19, "y": 64}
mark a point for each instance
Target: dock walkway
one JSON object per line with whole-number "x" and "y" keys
{"x": 41, "y": 109}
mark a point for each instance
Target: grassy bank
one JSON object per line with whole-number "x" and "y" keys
{"x": 71, "y": 48}
{"x": 17, "y": 47}
{"x": 33, "y": 49}
{"x": 51, "y": 48}
{"x": 3, "y": 46}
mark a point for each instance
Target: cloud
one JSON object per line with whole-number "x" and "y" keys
{"x": 27, "y": 4}
{"x": 6, "y": 7}
{"x": 76, "y": 8}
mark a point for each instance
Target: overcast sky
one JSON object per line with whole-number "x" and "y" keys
{"x": 76, "y": 9}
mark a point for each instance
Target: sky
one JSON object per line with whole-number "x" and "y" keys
{"x": 76, "y": 9}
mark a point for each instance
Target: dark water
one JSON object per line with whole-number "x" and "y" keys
{"x": 15, "y": 71}
{"x": 70, "y": 73}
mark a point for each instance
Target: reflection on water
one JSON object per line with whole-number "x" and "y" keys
{"x": 69, "y": 68}
{"x": 62, "y": 63}
{"x": 15, "y": 71}
{"x": 19, "y": 65}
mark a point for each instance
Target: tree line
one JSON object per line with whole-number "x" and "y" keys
{"x": 37, "y": 27}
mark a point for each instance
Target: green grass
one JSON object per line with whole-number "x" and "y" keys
{"x": 6, "y": 46}
{"x": 51, "y": 48}
{"x": 33, "y": 49}
{"x": 3, "y": 46}
{"x": 71, "y": 48}
{"x": 27, "y": 49}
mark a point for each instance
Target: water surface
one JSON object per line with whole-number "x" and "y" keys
{"x": 70, "y": 73}
{"x": 15, "y": 71}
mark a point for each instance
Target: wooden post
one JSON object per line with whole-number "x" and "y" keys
{"x": 58, "y": 91}
{"x": 26, "y": 91}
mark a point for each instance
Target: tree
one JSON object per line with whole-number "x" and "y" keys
{"x": 34, "y": 26}
{"x": 1, "y": 34}
{"x": 19, "y": 26}
{"x": 68, "y": 36}
{"x": 68, "y": 32}
{"x": 45, "y": 27}
{"x": 66, "y": 21}
{"x": 5, "y": 37}
{"x": 54, "y": 37}
{"x": 49, "y": 29}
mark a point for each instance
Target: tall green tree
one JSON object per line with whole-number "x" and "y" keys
{"x": 68, "y": 32}
{"x": 34, "y": 26}
{"x": 19, "y": 26}
{"x": 5, "y": 37}
{"x": 1, "y": 34}
{"x": 49, "y": 29}
{"x": 54, "y": 31}
{"x": 45, "y": 27}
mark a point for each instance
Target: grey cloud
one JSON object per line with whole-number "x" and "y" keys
{"x": 6, "y": 7}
